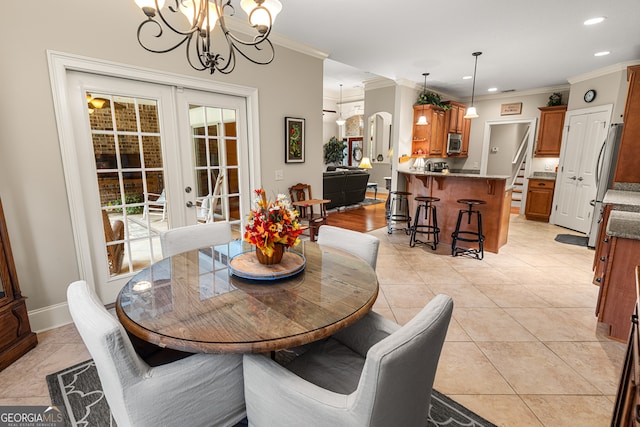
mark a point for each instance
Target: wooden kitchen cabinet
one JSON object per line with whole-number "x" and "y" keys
{"x": 550, "y": 131}
{"x": 627, "y": 406}
{"x": 617, "y": 293}
{"x": 539, "y": 199}
{"x": 628, "y": 164}
{"x": 456, "y": 123}
{"x": 428, "y": 140}
{"x": 602, "y": 249}
{"x": 16, "y": 337}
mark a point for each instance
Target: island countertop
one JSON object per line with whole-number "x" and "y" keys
{"x": 451, "y": 187}
{"x": 455, "y": 174}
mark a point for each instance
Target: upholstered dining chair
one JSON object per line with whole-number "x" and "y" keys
{"x": 373, "y": 373}
{"x": 183, "y": 239}
{"x": 363, "y": 245}
{"x": 199, "y": 390}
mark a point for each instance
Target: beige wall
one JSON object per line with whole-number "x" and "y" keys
{"x": 32, "y": 185}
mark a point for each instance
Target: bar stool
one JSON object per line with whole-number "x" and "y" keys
{"x": 468, "y": 235}
{"x": 398, "y": 211}
{"x": 430, "y": 224}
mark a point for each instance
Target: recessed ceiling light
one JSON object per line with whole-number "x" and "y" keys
{"x": 603, "y": 53}
{"x": 492, "y": 89}
{"x": 594, "y": 21}
{"x": 467, "y": 77}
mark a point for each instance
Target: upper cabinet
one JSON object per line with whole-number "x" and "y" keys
{"x": 628, "y": 164}
{"x": 550, "y": 131}
{"x": 428, "y": 140}
{"x": 456, "y": 123}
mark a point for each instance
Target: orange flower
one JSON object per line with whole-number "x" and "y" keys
{"x": 272, "y": 222}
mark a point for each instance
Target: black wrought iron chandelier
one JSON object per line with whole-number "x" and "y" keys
{"x": 197, "y": 32}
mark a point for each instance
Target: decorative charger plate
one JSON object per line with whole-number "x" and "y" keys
{"x": 247, "y": 266}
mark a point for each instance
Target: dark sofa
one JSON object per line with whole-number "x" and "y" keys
{"x": 344, "y": 187}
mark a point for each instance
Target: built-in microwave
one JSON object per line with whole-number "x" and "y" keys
{"x": 454, "y": 143}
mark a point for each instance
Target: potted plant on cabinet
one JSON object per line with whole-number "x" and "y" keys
{"x": 334, "y": 151}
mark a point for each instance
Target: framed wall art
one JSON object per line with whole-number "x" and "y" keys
{"x": 511, "y": 109}
{"x": 294, "y": 140}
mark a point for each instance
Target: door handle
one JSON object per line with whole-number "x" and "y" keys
{"x": 187, "y": 189}
{"x": 580, "y": 178}
{"x": 573, "y": 178}
{"x": 189, "y": 204}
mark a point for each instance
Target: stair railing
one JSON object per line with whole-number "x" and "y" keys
{"x": 519, "y": 157}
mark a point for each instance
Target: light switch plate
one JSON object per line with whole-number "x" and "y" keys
{"x": 279, "y": 175}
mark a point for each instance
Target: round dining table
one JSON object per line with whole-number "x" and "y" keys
{"x": 196, "y": 302}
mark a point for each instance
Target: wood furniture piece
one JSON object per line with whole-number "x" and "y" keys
{"x": 456, "y": 123}
{"x": 539, "y": 199}
{"x": 189, "y": 302}
{"x": 628, "y": 164}
{"x": 313, "y": 212}
{"x": 114, "y": 236}
{"x": 626, "y": 411}
{"x": 16, "y": 337}
{"x": 601, "y": 250}
{"x": 428, "y": 140}
{"x": 617, "y": 293}
{"x": 451, "y": 187}
{"x": 550, "y": 131}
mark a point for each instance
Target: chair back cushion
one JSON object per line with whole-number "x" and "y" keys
{"x": 191, "y": 237}
{"x": 117, "y": 363}
{"x": 399, "y": 371}
{"x": 360, "y": 244}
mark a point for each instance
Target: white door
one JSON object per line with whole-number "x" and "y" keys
{"x": 141, "y": 157}
{"x": 583, "y": 136}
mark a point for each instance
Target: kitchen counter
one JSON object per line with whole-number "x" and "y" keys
{"x": 623, "y": 200}
{"x": 452, "y": 186}
{"x": 455, "y": 174}
{"x": 624, "y": 224}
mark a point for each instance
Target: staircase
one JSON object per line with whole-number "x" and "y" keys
{"x": 518, "y": 186}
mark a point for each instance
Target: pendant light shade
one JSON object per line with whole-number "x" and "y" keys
{"x": 471, "y": 111}
{"x": 422, "y": 120}
{"x": 340, "y": 121}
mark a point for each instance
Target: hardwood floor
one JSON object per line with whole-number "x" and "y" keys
{"x": 363, "y": 219}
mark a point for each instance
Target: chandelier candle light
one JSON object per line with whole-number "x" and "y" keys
{"x": 471, "y": 111}
{"x": 196, "y": 32}
{"x": 272, "y": 226}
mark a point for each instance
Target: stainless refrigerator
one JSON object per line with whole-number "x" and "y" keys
{"x": 605, "y": 168}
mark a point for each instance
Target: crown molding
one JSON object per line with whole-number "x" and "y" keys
{"x": 241, "y": 26}
{"x": 378, "y": 83}
{"x": 615, "y": 68}
{"x": 516, "y": 93}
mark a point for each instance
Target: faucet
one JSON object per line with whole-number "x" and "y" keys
{"x": 427, "y": 166}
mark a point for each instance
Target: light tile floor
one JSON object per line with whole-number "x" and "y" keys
{"x": 523, "y": 348}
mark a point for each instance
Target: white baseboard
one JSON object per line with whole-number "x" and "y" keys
{"x": 50, "y": 317}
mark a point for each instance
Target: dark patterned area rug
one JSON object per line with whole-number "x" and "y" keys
{"x": 572, "y": 239}
{"x": 78, "y": 389}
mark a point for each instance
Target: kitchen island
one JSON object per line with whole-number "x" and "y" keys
{"x": 450, "y": 187}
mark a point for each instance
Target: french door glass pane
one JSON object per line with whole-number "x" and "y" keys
{"x": 215, "y": 146}
{"x": 130, "y": 177}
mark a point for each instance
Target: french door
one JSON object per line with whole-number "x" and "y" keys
{"x": 152, "y": 157}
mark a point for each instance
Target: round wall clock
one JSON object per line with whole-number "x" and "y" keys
{"x": 589, "y": 95}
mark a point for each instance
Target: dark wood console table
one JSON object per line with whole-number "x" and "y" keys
{"x": 16, "y": 337}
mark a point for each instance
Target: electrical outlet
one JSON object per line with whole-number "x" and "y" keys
{"x": 547, "y": 166}
{"x": 279, "y": 175}
{"x": 476, "y": 165}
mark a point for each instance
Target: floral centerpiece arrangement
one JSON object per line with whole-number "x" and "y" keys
{"x": 272, "y": 225}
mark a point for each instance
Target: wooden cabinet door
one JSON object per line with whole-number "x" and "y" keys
{"x": 438, "y": 133}
{"x": 628, "y": 165}
{"x": 539, "y": 199}
{"x": 452, "y": 119}
{"x": 550, "y": 131}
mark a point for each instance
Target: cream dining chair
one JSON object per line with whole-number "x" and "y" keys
{"x": 360, "y": 244}
{"x": 183, "y": 239}
{"x": 199, "y": 390}
{"x": 372, "y": 374}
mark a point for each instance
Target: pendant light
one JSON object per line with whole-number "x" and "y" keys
{"x": 471, "y": 111}
{"x": 340, "y": 120}
{"x": 422, "y": 120}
